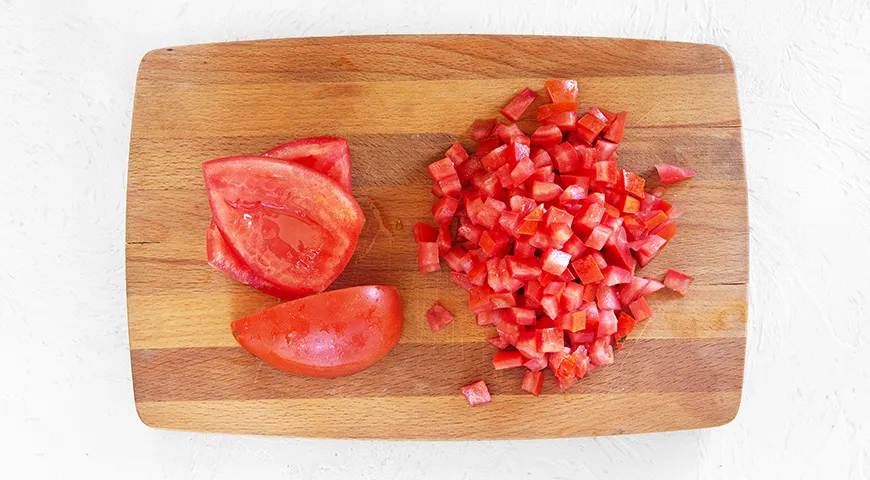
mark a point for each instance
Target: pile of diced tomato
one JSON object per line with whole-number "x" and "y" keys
{"x": 549, "y": 234}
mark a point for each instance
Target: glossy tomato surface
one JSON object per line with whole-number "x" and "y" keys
{"x": 326, "y": 335}
{"x": 223, "y": 258}
{"x": 293, "y": 226}
{"x": 329, "y": 155}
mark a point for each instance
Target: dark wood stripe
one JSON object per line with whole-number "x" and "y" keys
{"x": 428, "y": 57}
{"x": 647, "y": 366}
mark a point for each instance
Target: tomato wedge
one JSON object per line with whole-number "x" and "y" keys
{"x": 329, "y": 155}
{"x": 294, "y": 227}
{"x": 326, "y": 335}
{"x": 222, "y": 257}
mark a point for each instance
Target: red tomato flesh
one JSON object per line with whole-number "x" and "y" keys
{"x": 438, "y": 317}
{"x": 329, "y": 155}
{"x": 476, "y": 393}
{"x": 326, "y": 335}
{"x": 293, "y": 226}
{"x": 519, "y": 104}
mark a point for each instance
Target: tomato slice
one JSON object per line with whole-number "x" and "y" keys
{"x": 326, "y": 335}
{"x": 329, "y": 155}
{"x": 294, "y": 227}
{"x": 222, "y": 257}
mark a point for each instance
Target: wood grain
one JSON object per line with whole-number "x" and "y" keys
{"x": 401, "y": 101}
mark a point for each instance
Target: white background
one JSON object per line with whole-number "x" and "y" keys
{"x": 67, "y": 72}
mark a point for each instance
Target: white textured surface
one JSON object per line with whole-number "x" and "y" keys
{"x": 67, "y": 72}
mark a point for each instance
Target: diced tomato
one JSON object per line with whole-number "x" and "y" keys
{"x": 441, "y": 169}
{"x": 605, "y": 116}
{"x": 678, "y": 282}
{"x": 552, "y": 340}
{"x": 543, "y": 174}
{"x": 625, "y": 324}
{"x": 591, "y": 123}
{"x": 545, "y": 191}
{"x": 522, "y": 171}
{"x": 536, "y": 364}
{"x": 427, "y": 256}
{"x": 557, "y": 108}
{"x": 532, "y": 382}
{"x": 498, "y": 342}
{"x": 607, "y": 299}
{"x": 562, "y": 91}
{"x": 519, "y": 104}
{"x": 605, "y": 150}
{"x": 550, "y": 304}
{"x": 617, "y": 127}
{"x": 565, "y": 157}
{"x": 478, "y": 274}
{"x": 607, "y": 322}
{"x": 587, "y": 270}
{"x": 444, "y": 209}
{"x": 573, "y": 321}
{"x": 507, "y": 359}
{"x": 528, "y": 227}
{"x": 495, "y": 158}
{"x": 476, "y": 393}
{"x": 555, "y": 261}
{"x": 454, "y": 257}
{"x": 547, "y": 135}
{"x": 424, "y": 232}
{"x": 481, "y": 129}
{"x": 478, "y": 298}
{"x": 601, "y": 352}
{"x": 438, "y": 317}
{"x": 605, "y": 172}
{"x": 511, "y": 134}
{"x": 672, "y": 174}
{"x": 565, "y": 121}
{"x": 494, "y": 242}
{"x": 460, "y": 279}
{"x": 457, "y": 154}
{"x": 540, "y": 157}
{"x": 614, "y": 275}
{"x": 640, "y": 309}
{"x": 523, "y": 249}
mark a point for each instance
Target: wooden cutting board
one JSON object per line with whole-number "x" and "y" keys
{"x": 401, "y": 101}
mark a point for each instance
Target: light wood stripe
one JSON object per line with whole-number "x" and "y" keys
{"x": 174, "y": 321}
{"x": 450, "y": 418}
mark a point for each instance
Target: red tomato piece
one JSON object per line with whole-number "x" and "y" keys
{"x": 591, "y": 123}
{"x": 574, "y": 247}
{"x": 545, "y": 191}
{"x": 507, "y": 359}
{"x": 524, "y": 249}
{"x": 562, "y": 90}
{"x": 532, "y": 382}
{"x": 536, "y": 215}
{"x": 540, "y": 157}
{"x": 597, "y": 237}
{"x": 326, "y": 335}
{"x": 292, "y": 226}
{"x": 438, "y": 317}
{"x": 607, "y": 322}
{"x": 606, "y": 298}
{"x": 523, "y": 316}
{"x": 552, "y": 340}
{"x": 482, "y": 129}
{"x": 498, "y": 342}
{"x": 606, "y": 150}
{"x": 524, "y": 169}
{"x": 605, "y": 172}
{"x": 678, "y": 282}
{"x": 222, "y": 257}
{"x": 605, "y": 116}
{"x": 454, "y": 257}
{"x": 476, "y": 393}
{"x": 547, "y": 135}
{"x": 445, "y": 209}
{"x": 555, "y": 261}
{"x": 461, "y": 279}
{"x": 560, "y": 233}
{"x": 511, "y": 134}
{"x": 672, "y": 174}
{"x": 550, "y": 304}
{"x": 529, "y": 344}
{"x": 513, "y": 110}
{"x": 457, "y": 154}
{"x": 640, "y": 309}
{"x": 566, "y": 121}
{"x": 543, "y": 174}
{"x": 494, "y": 242}
{"x": 601, "y": 352}
{"x": 502, "y": 300}
{"x": 495, "y": 158}
{"x": 448, "y": 186}
{"x": 617, "y": 127}
{"x": 522, "y": 268}
{"x": 554, "y": 109}
{"x": 445, "y": 241}
{"x": 565, "y": 156}
{"x": 625, "y": 324}
{"x": 427, "y": 257}
{"x": 587, "y": 270}
{"x": 573, "y": 321}
{"x": 614, "y": 275}
{"x": 328, "y": 155}
{"x": 536, "y": 364}
{"x": 441, "y": 169}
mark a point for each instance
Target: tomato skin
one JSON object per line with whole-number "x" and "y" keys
{"x": 322, "y": 220}
{"x": 328, "y": 155}
{"x": 331, "y": 334}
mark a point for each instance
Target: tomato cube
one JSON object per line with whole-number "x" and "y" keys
{"x": 502, "y": 300}
{"x": 574, "y": 247}
{"x": 498, "y": 342}
{"x": 524, "y": 169}
{"x": 461, "y": 279}
{"x": 541, "y": 239}
{"x": 523, "y": 249}
{"x": 478, "y": 274}
{"x": 607, "y": 322}
{"x": 454, "y": 257}
{"x": 565, "y": 157}
{"x": 614, "y": 275}
{"x": 425, "y": 233}
{"x": 476, "y": 393}
{"x": 625, "y": 324}
{"x": 678, "y": 282}
{"x": 598, "y": 237}
{"x": 552, "y": 340}
{"x": 508, "y": 330}
{"x": 617, "y": 127}
{"x": 438, "y": 317}
{"x": 560, "y": 233}
{"x": 523, "y": 316}
{"x": 507, "y": 359}
{"x": 542, "y": 174}
{"x": 510, "y": 222}
{"x": 592, "y": 124}
{"x": 640, "y": 309}
{"x": 495, "y": 158}
{"x": 494, "y": 242}
{"x": 607, "y": 299}
{"x": 445, "y": 209}
{"x": 522, "y": 268}
{"x": 541, "y": 157}
{"x": 427, "y": 257}
{"x": 527, "y": 227}
{"x": 478, "y": 298}
{"x": 562, "y": 90}
{"x": 606, "y": 150}
{"x": 511, "y": 134}
{"x": 482, "y": 129}
{"x": 606, "y": 172}
{"x": 601, "y": 352}
{"x": 566, "y": 121}
{"x": 441, "y": 169}
{"x": 547, "y": 135}
{"x": 536, "y": 364}
{"x": 555, "y": 261}
{"x": 573, "y": 321}
{"x": 545, "y": 191}
{"x": 532, "y": 382}
{"x": 587, "y": 270}
{"x": 550, "y": 304}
